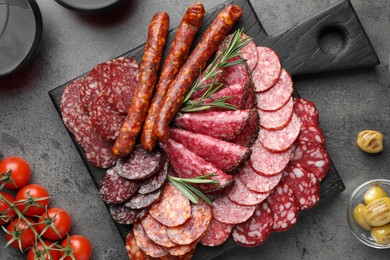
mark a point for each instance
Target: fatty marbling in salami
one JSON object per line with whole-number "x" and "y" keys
{"x": 311, "y": 133}
{"x": 241, "y": 195}
{"x": 145, "y": 243}
{"x": 250, "y": 132}
{"x": 133, "y": 250}
{"x": 126, "y": 216}
{"x": 267, "y": 70}
{"x": 140, "y": 201}
{"x": 306, "y": 111}
{"x": 156, "y": 231}
{"x": 276, "y": 120}
{"x": 217, "y": 233}
{"x": 155, "y": 182}
{"x": 228, "y": 212}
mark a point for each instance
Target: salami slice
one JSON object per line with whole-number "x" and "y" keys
{"x": 228, "y": 212}
{"x": 133, "y": 250}
{"x": 237, "y": 74}
{"x": 115, "y": 189}
{"x": 256, "y": 182}
{"x": 181, "y": 251}
{"x": 249, "y": 99}
{"x": 276, "y": 120}
{"x": 189, "y": 165}
{"x": 155, "y": 182}
{"x": 145, "y": 243}
{"x": 250, "y": 132}
{"x": 224, "y": 155}
{"x": 241, "y": 195}
{"x": 267, "y": 70}
{"x": 275, "y": 97}
{"x": 194, "y": 227}
{"x": 126, "y": 216}
{"x": 140, "y": 164}
{"x": 203, "y": 86}
{"x": 284, "y": 208}
{"x": 223, "y": 125}
{"x": 255, "y": 230}
{"x": 140, "y": 201}
{"x": 156, "y": 231}
{"x": 281, "y": 140}
{"x": 217, "y": 233}
{"x": 268, "y": 163}
{"x": 306, "y": 111}
{"x": 173, "y": 209}
{"x": 312, "y": 157}
{"x": 304, "y": 184}
{"x": 311, "y": 133}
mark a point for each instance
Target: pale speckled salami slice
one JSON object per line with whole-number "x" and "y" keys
{"x": 275, "y": 97}
{"x": 155, "y": 182}
{"x": 250, "y": 132}
{"x": 194, "y": 227}
{"x": 133, "y": 250}
{"x": 241, "y": 195}
{"x": 217, "y": 233}
{"x": 311, "y": 133}
{"x": 276, "y": 120}
{"x": 173, "y": 209}
{"x": 115, "y": 189}
{"x": 267, "y": 70}
{"x": 255, "y": 230}
{"x": 145, "y": 243}
{"x": 306, "y": 111}
{"x": 228, "y": 212}
{"x": 126, "y": 216}
{"x": 156, "y": 231}
{"x": 140, "y": 201}
{"x": 283, "y": 205}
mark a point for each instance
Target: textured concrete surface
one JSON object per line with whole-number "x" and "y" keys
{"x": 348, "y": 103}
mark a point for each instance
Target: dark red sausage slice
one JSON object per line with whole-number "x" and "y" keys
{"x": 156, "y": 231}
{"x": 250, "y": 132}
{"x": 241, "y": 195}
{"x": 145, "y": 243}
{"x": 155, "y": 182}
{"x": 140, "y": 201}
{"x": 228, "y": 212}
{"x": 249, "y": 100}
{"x": 237, "y": 74}
{"x": 217, "y": 233}
{"x": 311, "y": 133}
{"x": 126, "y": 216}
{"x": 204, "y": 85}
{"x": 276, "y": 120}
{"x": 267, "y": 70}
{"x": 306, "y": 111}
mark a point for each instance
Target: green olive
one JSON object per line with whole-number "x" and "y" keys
{"x": 378, "y": 212}
{"x": 373, "y": 193}
{"x": 381, "y": 234}
{"x": 370, "y": 141}
{"x": 358, "y": 215}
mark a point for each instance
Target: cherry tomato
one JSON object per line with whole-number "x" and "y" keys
{"x": 27, "y": 237}
{"x": 82, "y": 249}
{"x": 20, "y": 171}
{"x": 61, "y": 221}
{"x": 32, "y": 254}
{"x": 6, "y": 214}
{"x": 36, "y": 192}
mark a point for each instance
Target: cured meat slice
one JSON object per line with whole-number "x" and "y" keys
{"x": 106, "y": 121}
{"x": 182, "y": 251}
{"x": 283, "y": 139}
{"x": 189, "y": 165}
{"x": 126, "y": 216}
{"x": 224, "y": 155}
{"x": 249, "y": 134}
{"x": 145, "y": 243}
{"x": 275, "y": 97}
{"x": 156, "y": 231}
{"x": 304, "y": 184}
{"x": 255, "y": 230}
{"x": 267, "y": 70}
{"x": 115, "y": 189}
{"x": 312, "y": 157}
{"x": 268, "y": 163}
{"x": 155, "y": 182}
{"x": 194, "y": 227}
{"x": 133, "y": 250}
{"x": 173, "y": 209}
{"x": 203, "y": 86}
{"x": 249, "y": 99}
{"x": 121, "y": 78}
{"x": 140, "y": 164}
{"x": 256, "y": 182}
{"x": 311, "y": 133}
{"x": 223, "y": 125}
{"x": 217, "y": 233}
{"x": 276, "y": 120}
{"x": 241, "y": 195}
{"x": 237, "y": 74}
{"x": 284, "y": 208}
{"x": 228, "y": 212}
{"x": 306, "y": 111}
{"x": 140, "y": 201}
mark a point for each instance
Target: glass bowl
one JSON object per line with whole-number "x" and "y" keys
{"x": 356, "y": 198}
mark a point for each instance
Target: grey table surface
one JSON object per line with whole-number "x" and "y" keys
{"x": 348, "y": 102}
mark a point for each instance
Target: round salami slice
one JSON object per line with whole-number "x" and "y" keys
{"x": 181, "y": 251}
{"x": 275, "y": 97}
{"x": 284, "y": 208}
{"x": 155, "y": 182}
{"x": 256, "y": 182}
{"x": 106, "y": 121}
{"x": 140, "y": 201}
{"x": 217, "y": 233}
{"x": 237, "y": 74}
{"x": 145, "y": 243}
{"x": 281, "y": 140}
{"x": 173, "y": 209}
{"x": 312, "y": 157}
{"x": 194, "y": 227}
{"x": 156, "y": 231}
{"x": 133, "y": 250}
{"x": 249, "y": 134}
{"x": 276, "y": 120}
{"x": 311, "y": 133}
{"x": 126, "y": 216}
{"x": 228, "y": 212}
{"x": 115, "y": 189}
{"x": 306, "y": 111}
{"x": 268, "y": 163}
{"x": 140, "y": 164}
{"x": 241, "y": 195}
{"x": 304, "y": 184}
{"x": 267, "y": 70}
{"x": 255, "y": 230}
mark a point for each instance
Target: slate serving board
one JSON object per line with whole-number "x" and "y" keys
{"x": 300, "y": 53}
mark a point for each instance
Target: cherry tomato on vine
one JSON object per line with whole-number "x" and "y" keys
{"x": 27, "y": 237}
{"x": 38, "y": 194}
{"x": 82, "y": 249}
{"x": 37, "y": 254}
{"x": 6, "y": 213}
{"x": 20, "y": 171}
{"x": 60, "y": 220}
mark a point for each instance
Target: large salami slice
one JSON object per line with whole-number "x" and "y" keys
{"x": 306, "y": 111}
{"x": 156, "y": 231}
{"x": 255, "y": 230}
{"x": 126, "y": 216}
{"x": 275, "y": 120}
{"x": 140, "y": 201}
{"x": 155, "y": 182}
{"x": 145, "y": 243}
{"x": 275, "y": 97}
{"x": 173, "y": 209}
{"x": 224, "y": 155}
{"x": 241, "y": 195}
{"x": 223, "y": 125}
{"x": 217, "y": 233}
{"x": 250, "y": 132}
{"x": 249, "y": 99}
{"x": 284, "y": 208}
{"x": 267, "y": 70}
{"x": 203, "y": 86}
{"x": 237, "y": 74}
{"x": 304, "y": 184}
{"x": 311, "y": 133}
{"x": 283, "y": 139}
{"x": 228, "y": 212}
{"x": 182, "y": 251}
